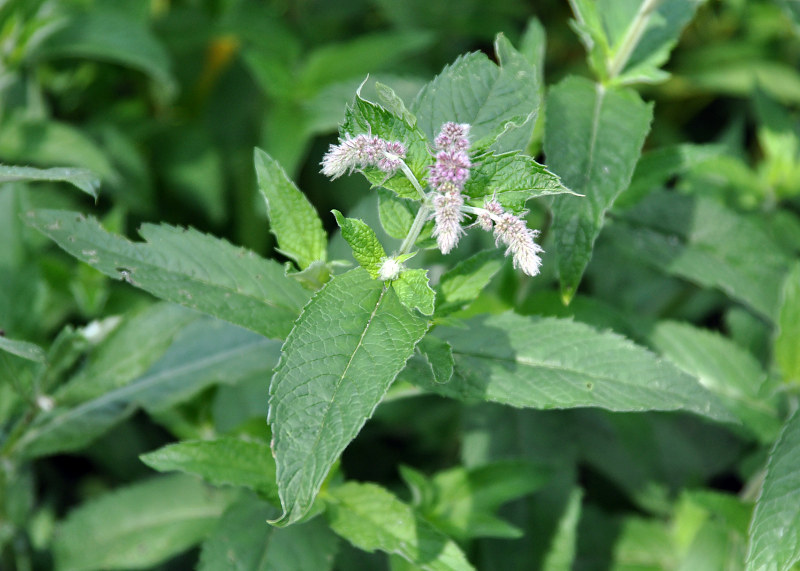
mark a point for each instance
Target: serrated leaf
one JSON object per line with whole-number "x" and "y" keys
{"x": 413, "y": 291}
{"x": 243, "y": 541}
{"x": 371, "y": 518}
{"x": 222, "y": 461}
{"x": 184, "y": 266}
{"x": 346, "y": 348}
{"x": 492, "y": 99}
{"x": 83, "y": 179}
{"x": 109, "y": 35}
{"x": 367, "y": 249}
{"x": 293, "y": 220}
{"x": 704, "y": 242}
{"x": 774, "y": 537}
{"x": 367, "y": 117}
{"x": 464, "y": 282}
{"x": 787, "y": 341}
{"x": 462, "y": 502}
{"x": 439, "y": 356}
{"x": 592, "y": 141}
{"x": 138, "y": 526}
{"x": 393, "y": 103}
{"x": 556, "y": 363}
{"x": 512, "y": 178}
{"x": 725, "y": 369}
{"x": 24, "y": 349}
{"x": 206, "y": 352}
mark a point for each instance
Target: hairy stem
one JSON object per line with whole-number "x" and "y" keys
{"x": 423, "y": 214}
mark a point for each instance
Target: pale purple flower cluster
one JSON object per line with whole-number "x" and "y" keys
{"x": 362, "y": 151}
{"x": 512, "y": 231}
{"x": 447, "y": 177}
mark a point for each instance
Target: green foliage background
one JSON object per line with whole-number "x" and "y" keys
{"x": 680, "y": 264}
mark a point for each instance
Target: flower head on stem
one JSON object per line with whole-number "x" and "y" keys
{"x": 362, "y": 151}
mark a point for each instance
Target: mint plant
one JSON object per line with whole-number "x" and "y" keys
{"x": 589, "y": 330}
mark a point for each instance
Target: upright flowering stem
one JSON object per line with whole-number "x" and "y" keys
{"x": 423, "y": 214}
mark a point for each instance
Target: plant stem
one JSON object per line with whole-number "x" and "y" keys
{"x": 422, "y": 216}
{"x": 632, "y": 36}
{"x": 412, "y": 179}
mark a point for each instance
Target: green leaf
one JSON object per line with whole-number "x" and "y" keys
{"x": 512, "y": 178}
{"x": 367, "y": 117}
{"x": 413, "y": 291}
{"x": 138, "y": 526}
{"x": 774, "y": 538}
{"x": 292, "y": 218}
{"x": 592, "y": 141}
{"x": 349, "y": 344}
{"x": 371, "y": 518}
{"x": 245, "y": 542}
{"x": 704, "y": 242}
{"x": 367, "y": 249}
{"x": 462, "y": 502}
{"x": 24, "y": 349}
{"x": 221, "y": 461}
{"x": 561, "y": 554}
{"x": 84, "y": 179}
{"x": 787, "y": 341}
{"x": 463, "y": 283}
{"x": 723, "y": 368}
{"x": 494, "y": 100}
{"x": 556, "y": 363}
{"x": 439, "y": 355}
{"x": 206, "y": 352}
{"x": 111, "y": 36}
{"x": 184, "y": 266}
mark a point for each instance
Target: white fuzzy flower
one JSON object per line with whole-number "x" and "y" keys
{"x": 362, "y": 151}
{"x": 514, "y": 233}
{"x": 390, "y": 269}
{"x": 448, "y": 215}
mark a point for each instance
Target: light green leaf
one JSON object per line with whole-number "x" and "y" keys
{"x": 413, "y": 291}
{"x": 512, "y": 178}
{"x": 367, "y": 117}
{"x": 206, "y": 352}
{"x": 138, "y": 526}
{"x": 223, "y": 461}
{"x": 184, "y": 266}
{"x": 557, "y": 363}
{"x": 462, "y": 502}
{"x": 561, "y": 554}
{"x": 439, "y": 356}
{"x": 723, "y": 368}
{"x": 292, "y": 218}
{"x": 704, "y": 242}
{"x": 592, "y": 141}
{"x": 396, "y": 214}
{"x": 463, "y": 283}
{"x": 494, "y": 100}
{"x": 371, "y": 518}
{"x": 24, "y": 349}
{"x": 787, "y": 341}
{"x": 367, "y": 250}
{"x": 84, "y": 179}
{"x": 774, "y": 538}
{"x": 111, "y": 36}
{"x": 349, "y": 344}
{"x": 393, "y": 103}
{"x": 244, "y": 541}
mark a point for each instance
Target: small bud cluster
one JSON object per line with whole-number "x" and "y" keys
{"x": 362, "y": 151}
{"x": 447, "y": 177}
{"x": 390, "y": 269}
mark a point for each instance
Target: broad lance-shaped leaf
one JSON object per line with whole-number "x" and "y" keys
{"x": 774, "y": 538}
{"x": 558, "y": 363}
{"x": 336, "y": 365}
{"x": 292, "y": 218}
{"x": 593, "y": 139}
{"x": 367, "y": 249}
{"x": 84, "y": 179}
{"x": 242, "y": 541}
{"x": 204, "y": 353}
{"x": 702, "y": 241}
{"x": 371, "y": 518}
{"x": 139, "y": 526}
{"x": 186, "y": 267}
{"x": 494, "y": 100}
{"x": 223, "y": 461}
